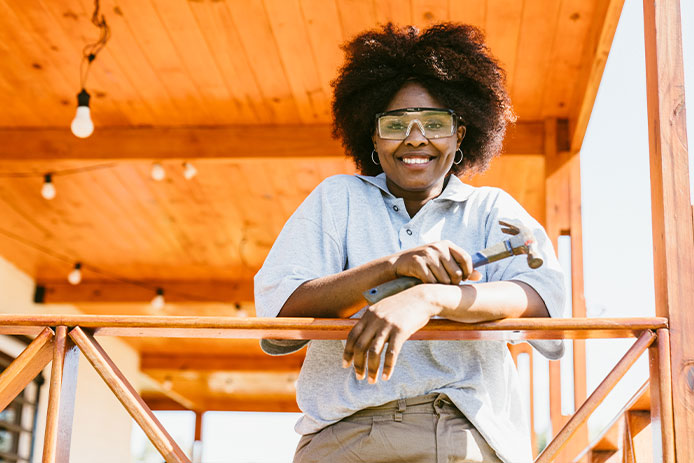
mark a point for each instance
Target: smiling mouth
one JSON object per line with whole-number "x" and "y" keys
{"x": 416, "y": 160}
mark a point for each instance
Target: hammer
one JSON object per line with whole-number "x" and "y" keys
{"x": 521, "y": 242}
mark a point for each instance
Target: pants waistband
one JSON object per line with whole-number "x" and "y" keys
{"x": 428, "y": 402}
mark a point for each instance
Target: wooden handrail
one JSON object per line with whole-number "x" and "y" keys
{"x": 309, "y": 328}
{"x": 517, "y": 329}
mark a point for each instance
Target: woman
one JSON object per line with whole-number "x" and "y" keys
{"x": 412, "y": 110}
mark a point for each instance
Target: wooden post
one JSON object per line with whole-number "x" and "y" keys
{"x": 661, "y": 399}
{"x": 673, "y": 240}
{"x": 24, "y": 368}
{"x": 61, "y": 399}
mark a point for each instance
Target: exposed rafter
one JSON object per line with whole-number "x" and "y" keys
{"x": 220, "y": 142}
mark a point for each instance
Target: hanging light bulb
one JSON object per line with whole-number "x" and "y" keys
{"x": 75, "y": 277}
{"x": 189, "y": 170}
{"x": 48, "y": 189}
{"x": 82, "y": 125}
{"x": 158, "y": 173}
{"x": 158, "y": 300}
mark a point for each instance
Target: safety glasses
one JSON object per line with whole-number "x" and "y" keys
{"x": 432, "y": 122}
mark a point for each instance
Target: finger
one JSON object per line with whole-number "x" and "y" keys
{"x": 375, "y": 351}
{"x": 422, "y": 270}
{"x": 475, "y": 276}
{"x": 361, "y": 347}
{"x": 395, "y": 343}
{"x": 453, "y": 270}
{"x": 348, "y": 353}
{"x": 463, "y": 259}
{"x": 440, "y": 274}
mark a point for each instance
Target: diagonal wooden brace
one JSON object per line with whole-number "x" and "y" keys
{"x": 24, "y": 368}
{"x": 127, "y": 395}
{"x": 598, "y": 395}
{"x": 61, "y": 399}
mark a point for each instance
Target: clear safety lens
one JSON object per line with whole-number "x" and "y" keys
{"x": 397, "y": 125}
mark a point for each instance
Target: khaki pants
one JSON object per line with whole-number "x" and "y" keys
{"x": 421, "y": 429}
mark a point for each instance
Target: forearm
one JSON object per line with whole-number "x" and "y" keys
{"x": 484, "y": 301}
{"x": 338, "y": 295}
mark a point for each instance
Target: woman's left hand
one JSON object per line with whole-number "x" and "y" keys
{"x": 391, "y": 321}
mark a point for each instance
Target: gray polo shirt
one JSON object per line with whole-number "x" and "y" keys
{"x": 350, "y": 220}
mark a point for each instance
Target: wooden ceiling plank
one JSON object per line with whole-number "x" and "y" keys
{"x": 575, "y": 18}
{"x": 187, "y": 39}
{"x": 356, "y": 16}
{"x": 71, "y": 31}
{"x": 61, "y": 292}
{"x": 538, "y": 31}
{"x": 223, "y": 142}
{"x": 322, "y": 24}
{"x": 209, "y": 194}
{"x": 160, "y": 243}
{"x": 396, "y": 11}
{"x": 258, "y": 41}
{"x": 149, "y": 32}
{"x": 135, "y": 67}
{"x": 595, "y": 53}
{"x": 298, "y": 60}
{"x": 24, "y": 65}
{"x": 167, "y": 215}
{"x": 428, "y": 12}
{"x": 467, "y": 12}
{"x": 503, "y": 30}
{"x": 224, "y": 42}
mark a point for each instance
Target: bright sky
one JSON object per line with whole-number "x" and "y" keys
{"x": 618, "y": 252}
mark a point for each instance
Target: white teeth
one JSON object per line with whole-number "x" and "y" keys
{"x": 415, "y": 160}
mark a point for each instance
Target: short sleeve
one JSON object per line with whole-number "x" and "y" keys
{"x": 308, "y": 247}
{"x": 547, "y": 280}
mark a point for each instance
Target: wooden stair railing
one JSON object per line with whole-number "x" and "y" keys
{"x": 58, "y": 346}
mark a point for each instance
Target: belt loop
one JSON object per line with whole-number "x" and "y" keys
{"x": 401, "y": 408}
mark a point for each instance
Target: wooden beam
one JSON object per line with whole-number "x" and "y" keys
{"x": 197, "y": 362}
{"x": 595, "y": 53}
{"x": 673, "y": 230}
{"x": 221, "y": 142}
{"x": 230, "y": 404}
{"x": 61, "y": 292}
{"x": 25, "y": 367}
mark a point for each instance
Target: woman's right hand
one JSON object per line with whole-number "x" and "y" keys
{"x": 438, "y": 262}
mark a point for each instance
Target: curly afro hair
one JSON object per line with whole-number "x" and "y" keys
{"x": 451, "y": 61}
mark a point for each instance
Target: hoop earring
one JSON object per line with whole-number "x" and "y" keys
{"x": 461, "y": 156}
{"x": 373, "y": 159}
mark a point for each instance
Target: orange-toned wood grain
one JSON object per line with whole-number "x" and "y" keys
{"x": 127, "y": 395}
{"x": 661, "y": 399}
{"x": 598, "y": 395}
{"x": 673, "y": 229}
{"x": 26, "y": 366}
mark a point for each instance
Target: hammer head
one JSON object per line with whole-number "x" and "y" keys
{"x": 528, "y": 246}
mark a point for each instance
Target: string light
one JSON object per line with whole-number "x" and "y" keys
{"x": 75, "y": 277}
{"x": 189, "y": 170}
{"x": 158, "y": 300}
{"x": 82, "y": 125}
{"x": 48, "y": 189}
{"x": 158, "y": 173}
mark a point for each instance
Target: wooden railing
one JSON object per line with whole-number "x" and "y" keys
{"x": 60, "y": 338}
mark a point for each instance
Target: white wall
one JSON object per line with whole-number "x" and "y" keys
{"x": 101, "y": 426}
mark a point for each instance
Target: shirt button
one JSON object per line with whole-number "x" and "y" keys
{"x": 396, "y": 208}
{"x": 409, "y": 232}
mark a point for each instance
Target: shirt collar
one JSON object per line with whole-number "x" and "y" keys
{"x": 455, "y": 190}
